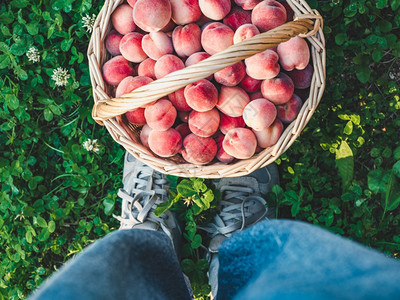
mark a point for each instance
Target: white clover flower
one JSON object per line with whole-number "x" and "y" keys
{"x": 88, "y": 22}
{"x": 91, "y": 145}
{"x": 60, "y": 76}
{"x": 33, "y": 54}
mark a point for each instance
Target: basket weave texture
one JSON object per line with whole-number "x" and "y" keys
{"x": 108, "y": 111}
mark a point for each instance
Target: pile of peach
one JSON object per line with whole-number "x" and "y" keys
{"x": 232, "y": 114}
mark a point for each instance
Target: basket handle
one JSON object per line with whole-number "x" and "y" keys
{"x": 110, "y": 108}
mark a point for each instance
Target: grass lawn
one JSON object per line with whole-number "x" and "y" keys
{"x": 56, "y": 197}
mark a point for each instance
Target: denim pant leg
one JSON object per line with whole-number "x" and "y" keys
{"x": 126, "y": 264}
{"x": 282, "y": 259}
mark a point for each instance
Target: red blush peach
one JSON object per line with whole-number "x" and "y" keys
{"x": 131, "y": 47}
{"x": 185, "y": 11}
{"x": 136, "y": 116}
{"x": 222, "y": 156}
{"x": 157, "y": 44}
{"x": 250, "y": 84}
{"x": 152, "y": 15}
{"x": 289, "y": 111}
{"x": 116, "y": 69}
{"x": 302, "y": 78}
{"x": 122, "y": 19}
{"x": 216, "y": 37}
{"x": 278, "y": 90}
{"x": 263, "y": 65}
{"x": 259, "y": 114}
{"x": 199, "y": 150}
{"x": 201, "y": 95}
{"x": 167, "y": 64}
{"x": 270, "y": 135}
{"x": 179, "y": 101}
{"x": 294, "y": 54}
{"x": 232, "y": 75}
{"x": 268, "y": 15}
{"x": 146, "y": 68}
{"x": 237, "y": 17}
{"x": 215, "y": 9}
{"x": 227, "y": 123}
{"x": 112, "y": 43}
{"x": 186, "y": 40}
{"x": 232, "y": 101}
{"x": 165, "y": 143}
{"x": 204, "y": 124}
{"x": 240, "y": 143}
{"x": 247, "y": 4}
{"x": 161, "y": 115}
{"x": 245, "y": 32}
{"x": 130, "y": 84}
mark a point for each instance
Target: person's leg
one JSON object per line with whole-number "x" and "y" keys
{"x": 282, "y": 259}
{"x": 138, "y": 262}
{"x": 126, "y": 264}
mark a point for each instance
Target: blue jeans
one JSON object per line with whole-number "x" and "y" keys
{"x": 278, "y": 259}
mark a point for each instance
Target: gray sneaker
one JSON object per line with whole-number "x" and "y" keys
{"x": 242, "y": 205}
{"x": 143, "y": 189}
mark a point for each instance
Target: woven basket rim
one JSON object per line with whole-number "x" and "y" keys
{"x": 127, "y": 136}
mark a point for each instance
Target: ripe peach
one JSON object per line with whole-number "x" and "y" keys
{"x": 157, "y": 44}
{"x": 302, "y": 78}
{"x": 215, "y": 9}
{"x": 204, "y": 124}
{"x": 186, "y": 40}
{"x": 144, "y": 135}
{"x": 222, "y": 156}
{"x": 183, "y": 129}
{"x": 232, "y": 75}
{"x": 131, "y": 47}
{"x": 199, "y": 150}
{"x": 289, "y": 10}
{"x": 263, "y": 65}
{"x": 250, "y": 84}
{"x": 122, "y": 19}
{"x": 247, "y": 4}
{"x": 241, "y": 143}
{"x": 278, "y": 90}
{"x": 112, "y": 42}
{"x": 216, "y": 37}
{"x": 237, "y": 17}
{"x": 185, "y": 11}
{"x": 227, "y": 123}
{"x": 294, "y": 54}
{"x": 268, "y": 14}
{"x": 116, "y": 69}
{"x": 201, "y": 95}
{"x": 179, "y": 101}
{"x": 160, "y": 115}
{"x": 255, "y": 95}
{"x": 152, "y": 15}
{"x": 270, "y": 135}
{"x": 146, "y": 68}
{"x": 197, "y": 57}
{"x": 130, "y": 84}
{"x": 165, "y": 143}
{"x": 259, "y": 114}
{"x": 245, "y": 32}
{"x": 136, "y": 116}
{"x": 232, "y": 101}
{"x": 167, "y": 64}
{"x": 288, "y": 112}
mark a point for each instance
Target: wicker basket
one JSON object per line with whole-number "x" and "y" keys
{"x": 107, "y": 111}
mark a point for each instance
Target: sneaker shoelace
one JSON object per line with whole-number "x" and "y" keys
{"x": 147, "y": 193}
{"x": 235, "y": 210}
